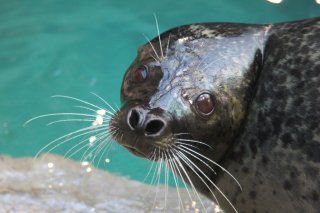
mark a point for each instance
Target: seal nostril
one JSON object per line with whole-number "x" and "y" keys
{"x": 154, "y": 127}
{"x": 134, "y": 119}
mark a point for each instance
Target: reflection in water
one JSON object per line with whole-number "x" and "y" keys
{"x": 53, "y": 184}
{"x": 275, "y": 1}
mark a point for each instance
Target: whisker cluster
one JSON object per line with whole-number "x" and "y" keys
{"x": 158, "y": 57}
{"x": 181, "y": 157}
{"x": 92, "y": 140}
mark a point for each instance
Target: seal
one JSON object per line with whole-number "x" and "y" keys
{"x": 233, "y": 109}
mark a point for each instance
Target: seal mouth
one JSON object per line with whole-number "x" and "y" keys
{"x": 135, "y": 151}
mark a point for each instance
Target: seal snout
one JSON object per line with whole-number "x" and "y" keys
{"x": 146, "y": 122}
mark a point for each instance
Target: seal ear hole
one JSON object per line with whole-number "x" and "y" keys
{"x": 205, "y": 104}
{"x": 140, "y": 74}
{"x": 154, "y": 127}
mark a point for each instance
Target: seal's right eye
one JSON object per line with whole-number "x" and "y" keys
{"x": 205, "y": 103}
{"x": 140, "y": 74}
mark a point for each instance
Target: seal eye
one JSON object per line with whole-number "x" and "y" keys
{"x": 205, "y": 104}
{"x": 140, "y": 74}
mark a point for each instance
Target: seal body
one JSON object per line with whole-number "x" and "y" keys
{"x": 277, "y": 157}
{"x": 228, "y": 104}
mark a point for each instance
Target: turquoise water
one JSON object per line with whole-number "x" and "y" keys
{"x": 76, "y": 47}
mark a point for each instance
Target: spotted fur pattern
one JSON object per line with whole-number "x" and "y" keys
{"x": 277, "y": 157}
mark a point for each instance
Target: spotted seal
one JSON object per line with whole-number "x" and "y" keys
{"x": 226, "y": 105}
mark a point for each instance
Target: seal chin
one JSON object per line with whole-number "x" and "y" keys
{"x": 148, "y": 149}
{"x": 135, "y": 151}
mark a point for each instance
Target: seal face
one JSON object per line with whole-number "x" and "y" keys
{"x": 201, "y": 83}
{"x": 186, "y": 97}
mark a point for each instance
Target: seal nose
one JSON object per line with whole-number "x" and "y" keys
{"x": 134, "y": 119}
{"x": 154, "y": 127}
{"x": 139, "y": 120}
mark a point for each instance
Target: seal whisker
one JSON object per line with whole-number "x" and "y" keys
{"x": 178, "y": 160}
{"x": 78, "y": 150}
{"x": 154, "y": 173}
{"x": 186, "y": 144}
{"x": 158, "y": 179}
{"x": 83, "y": 107}
{"x": 150, "y": 168}
{"x": 154, "y": 50}
{"x": 160, "y": 44}
{"x": 101, "y": 112}
{"x": 82, "y": 147}
{"x": 215, "y": 163}
{"x": 198, "y": 158}
{"x": 68, "y": 135}
{"x": 106, "y": 150}
{"x": 75, "y": 146}
{"x": 117, "y": 107}
{"x": 181, "y": 133}
{"x": 154, "y": 177}
{"x": 70, "y": 139}
{"x": 104, "y": 101}
{"x": 154, "y": 58}
{"x": 167, "y": 48}
{"x": 95, "y": 150}
{"x": 166, "y": 179}
{"x": 57, "y": 114}
{"x": 69, "y": 120}
{"x": 175, "y": 181}
{"x": 176, "y": 170}
{"x": 79, "y": 143}
{"x": 193, "y": 141}
{"x": 108, "y": 146}
{"x": 194, "y": 167}
{"x": 77, "y": 99}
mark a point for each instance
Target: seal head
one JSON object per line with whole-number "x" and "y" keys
{"x": 189, "y": 88}
{"x": 205, "y": 98}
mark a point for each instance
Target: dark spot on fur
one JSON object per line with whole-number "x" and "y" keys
{"x": 245, "y": 170}
{"x": 276, "y": 123}
{"x": 243, "y": 201}
{"x": 296, "y": 73}
{"x": 298, "y": 102}
{"x": 253, "y": 194}
{"x": 261, "y": 117}
{"x": 263, "y": 136}
{"x": 314, "y": 196}
{"x": 311, "y": 171}
{"x": 313, "y": 151}
{"x": 287, "y": 185}
{"x": 238, "y": 155}
{"x": 281, "y": 94}
{"x": 265, "y": 160}
{"x": 286, "y": 139}
{"x": 253, "y": 147}
{"x": 292, "y": 175}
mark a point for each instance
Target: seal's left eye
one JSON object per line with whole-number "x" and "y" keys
{"x": 140, "y": 74}
{"x": 205, "y": 104}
